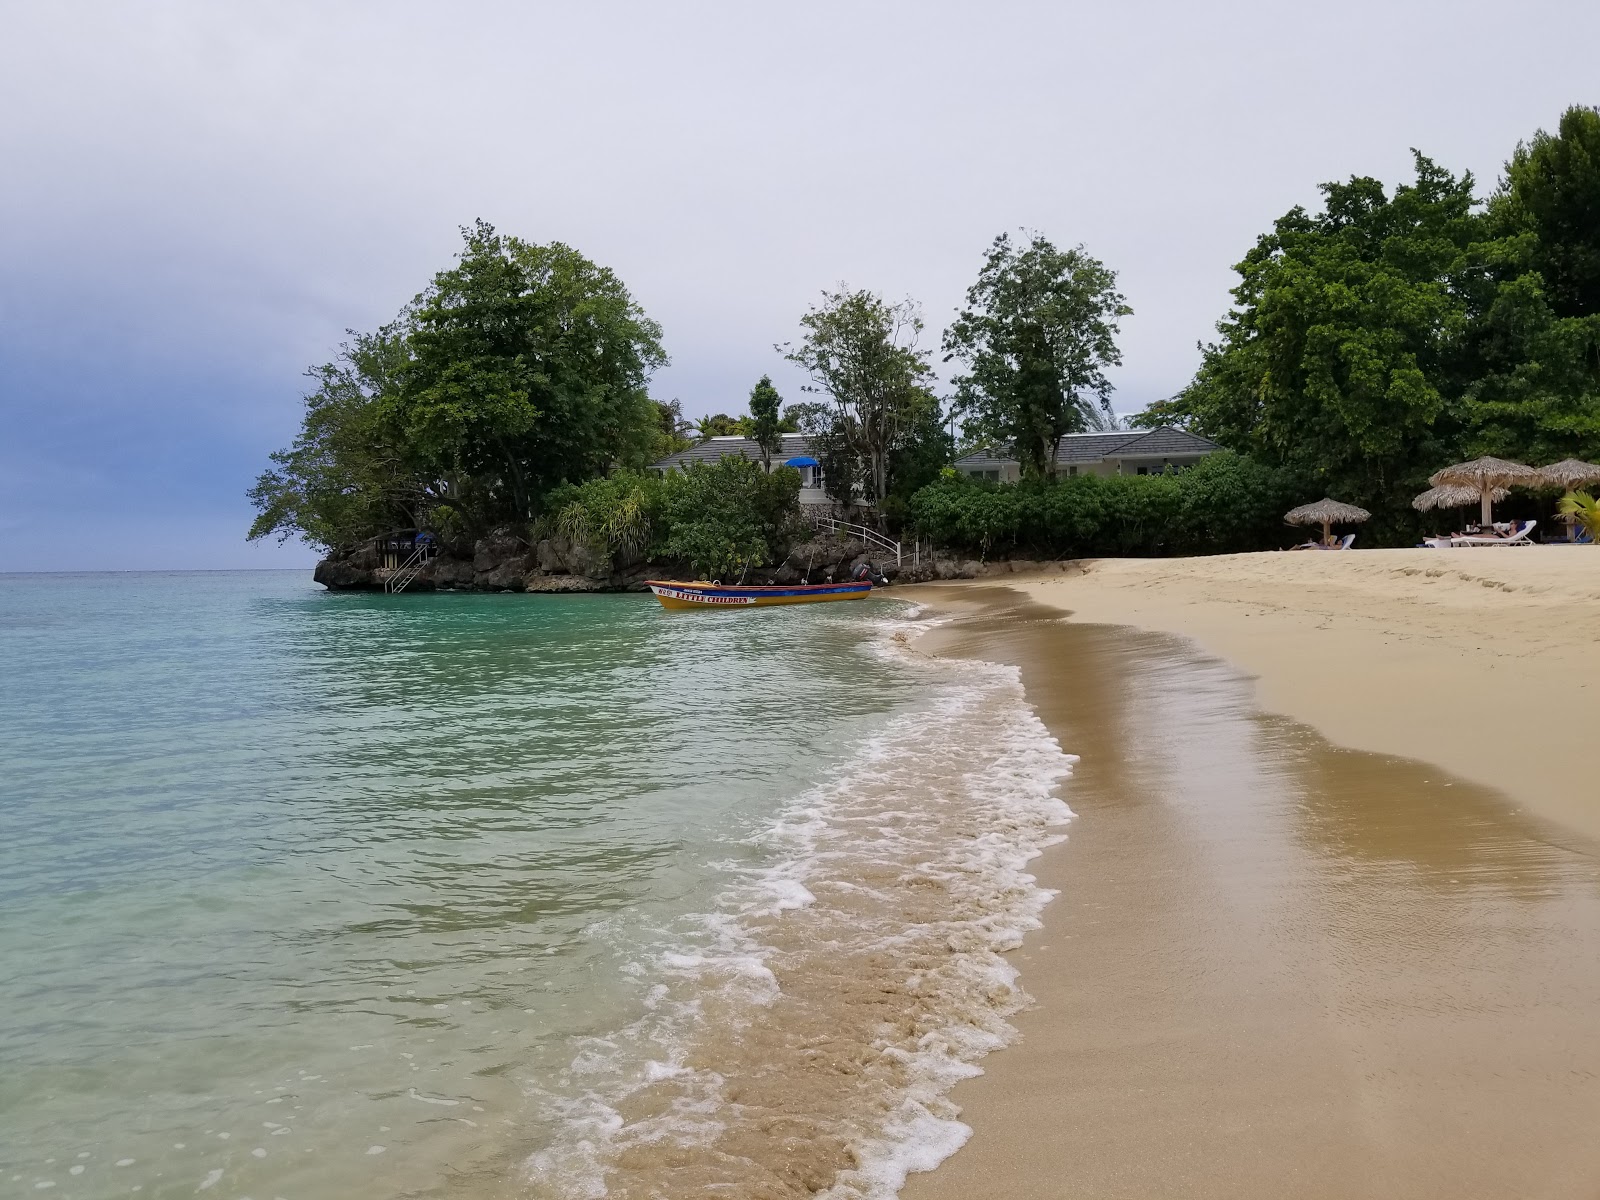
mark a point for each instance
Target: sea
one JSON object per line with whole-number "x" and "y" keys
{"x": 311, "y": 895}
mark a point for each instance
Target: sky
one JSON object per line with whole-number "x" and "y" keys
{"x": 197, "y": 200}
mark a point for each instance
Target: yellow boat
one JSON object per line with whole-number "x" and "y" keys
{"x": 719, "y": 595}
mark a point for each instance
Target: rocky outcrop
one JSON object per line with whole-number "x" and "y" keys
{"x": 504, "y": 562}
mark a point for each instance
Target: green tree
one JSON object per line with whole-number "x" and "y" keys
{"x": 766, "y": 422}
{"x": 1551, "y": 190}
{"x": 718, "y": 425}
{"x": 673, "y": 432}
{"x": 726, "y": 516}
{"x": 518, "y": 369}
{"x": 861, "y": 352}
{"x": 345, "y": 478}
{"x": 1532, "y": 350}
{"x": 1036, "y": 337}
{"x": 528, "y": 368}
{"x": 1341, "y": 356}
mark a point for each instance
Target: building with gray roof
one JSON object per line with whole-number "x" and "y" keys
{"x": 795, "y": 445}
{"x": 1126, "y": 452}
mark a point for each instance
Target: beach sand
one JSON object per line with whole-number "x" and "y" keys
{"x": 1329, "y": 921}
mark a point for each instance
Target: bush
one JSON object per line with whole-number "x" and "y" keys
{"x": 718, "y": 517}
{"x": 1223, "y": 505}
{"x": 725, "y": 516}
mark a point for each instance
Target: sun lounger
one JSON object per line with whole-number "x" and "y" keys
{"x": 1342, "y": 544}
{"x": 1519, "y": 538}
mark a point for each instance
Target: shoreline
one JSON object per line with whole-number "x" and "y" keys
{"x": 1279, "y": 965}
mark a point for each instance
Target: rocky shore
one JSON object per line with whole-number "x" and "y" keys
{"x": 506, "y": 563}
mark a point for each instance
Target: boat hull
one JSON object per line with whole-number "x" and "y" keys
{"x": 714, "y": 595}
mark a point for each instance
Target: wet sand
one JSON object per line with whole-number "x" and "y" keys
{"x": 1276, "y": 967}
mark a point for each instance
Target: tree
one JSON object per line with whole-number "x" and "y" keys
{"x": 861, "y": 352}
{"x": 1036, "y": 337}
{"x": 518, "y": 369}
{"x": 1551, "y": 190}
{"x": 527, "y": 368}
{"x": 766, "y": 423}
{"x": 345, "y": 478}
{"x": 1341, "y": 356}
{"x": 1532, "y": 350}
{"x": 726, "y": 516}
{"x": 718, "y": 425}
{"x": 673, "y": 430}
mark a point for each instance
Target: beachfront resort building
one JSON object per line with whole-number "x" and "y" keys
{"x": 1128, "y": 452}
{"x": 794, "y": 452}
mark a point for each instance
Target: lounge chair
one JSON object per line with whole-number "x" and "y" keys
{"x": 1519, "y": 538}
{"x": 1342, "y": 544}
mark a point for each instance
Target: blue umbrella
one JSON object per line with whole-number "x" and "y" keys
{"x": 801, "y": 460}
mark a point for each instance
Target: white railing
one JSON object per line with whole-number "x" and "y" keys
{"x": 399, "y": 578}
{"x": 862, "y": 533}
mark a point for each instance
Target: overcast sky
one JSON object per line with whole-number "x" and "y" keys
{"x": 197, "y": 199}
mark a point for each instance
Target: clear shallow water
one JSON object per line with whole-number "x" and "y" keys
{"x": 309, "y": 895}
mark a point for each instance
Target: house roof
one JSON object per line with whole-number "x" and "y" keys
{"x": 1162, "y": 442}
{"x": 720, "y": 447}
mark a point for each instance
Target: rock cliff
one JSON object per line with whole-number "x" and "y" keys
{"x": 503, "y": 562}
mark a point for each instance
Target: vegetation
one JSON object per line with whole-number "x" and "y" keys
{"x": 1368, "y": 344}
{"x": 1227, "y": 503}
{"x": 766, "y": 420}
{"x": 1392, "y": 333}
{"x": 1036, "y": 337}
{"x": 718, "y": 518}
{"x": 1584, "y": 509}
{"x": 861, "y": 353}
{"x": 521, "y": 368}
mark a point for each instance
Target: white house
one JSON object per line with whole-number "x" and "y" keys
{"x": 795, "y": 451}
{"x": 1129, "y": 452}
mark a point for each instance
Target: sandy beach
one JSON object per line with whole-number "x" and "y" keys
{"x": 1329, "y": 918}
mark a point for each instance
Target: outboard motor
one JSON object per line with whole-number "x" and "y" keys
{"x": 867, "y": 573}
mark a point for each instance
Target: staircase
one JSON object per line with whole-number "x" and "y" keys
{"x": 397, "y": 579}
{"x": 863, "y": 534}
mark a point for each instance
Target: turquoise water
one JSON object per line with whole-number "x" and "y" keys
{"x": 314, "y": 895}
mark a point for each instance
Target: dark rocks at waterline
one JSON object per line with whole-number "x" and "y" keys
{"x": 508, "y": 564}
{"x": 503, "y": 562}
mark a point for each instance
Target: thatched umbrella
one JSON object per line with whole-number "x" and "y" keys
{"x": 1568, "y": 475}
{"x": 1453, "y": 495}
{"x": 1327, "y": 513}
{"x": 1484, "y": 475}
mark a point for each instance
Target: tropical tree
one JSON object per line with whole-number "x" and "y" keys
{"x": 1583, "y": 508}
{"x": 1551, "y": 190}
{"x": 527, "y": 368}
{"x": 345, "y": 478}
{"x": 1036, "y": 336}
{"x": 861, "y": 353}
{"x": 518, "y": 369}
{"x": 1341, "y": 357}
{"x": 766, "y": 421}
{"x": 718, "y": 425}
{"x": 726, "y": 516}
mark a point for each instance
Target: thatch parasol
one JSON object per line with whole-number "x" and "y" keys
{"x": 1453, "y": 495}
{"x": 1327, "y": 513}
{"x": 1568, "y": 474}
{"x": 1484, "y": 475}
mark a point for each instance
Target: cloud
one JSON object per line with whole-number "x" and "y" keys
{"x": 201, "y": 198}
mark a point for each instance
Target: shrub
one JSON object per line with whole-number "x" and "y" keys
{"x": 725, "y": 516}
{"x": 1224, "y": 504}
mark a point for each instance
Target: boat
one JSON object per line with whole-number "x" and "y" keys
{"x": 720, "y": 595}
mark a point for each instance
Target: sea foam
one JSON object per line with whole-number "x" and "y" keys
{"x": 802, "y": 1037}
